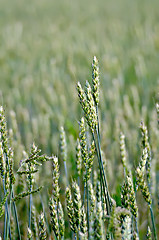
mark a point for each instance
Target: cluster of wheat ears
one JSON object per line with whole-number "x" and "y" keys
{"x": 87, "y": 203}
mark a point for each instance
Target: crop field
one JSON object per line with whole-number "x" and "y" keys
{"x": 79, "y": 119}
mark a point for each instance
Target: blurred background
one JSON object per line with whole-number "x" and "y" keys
{"x": 47, "y": 46}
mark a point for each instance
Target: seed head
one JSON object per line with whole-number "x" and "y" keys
{"x": 128, "y": 196}
{"x": 92, "y": 114}
{"x": 3, "y": 131}
{"x": 88, "y": 106}
{"x": 34, "y": 225}
{"x": 149, "y": 234}
{"x": 70, "y": 209}
{"x": 2, "y": 161}
{"x": 135, "y": 236}
{"x": 78, "y": 158}
{"x": 90, "y": 160}
{"x": 83, "y": 101}
{"x": 77, "y": 203}
{"x": 7, "y": 178}
{"x": 83, "y": 224}
{"x": 126, "y": 228}
{"x": 61, "y": 220}
{"x": 2, "y": 203}
{"x": 123, "y": 150}
{"x": 25, "y": 194}
{"x": 11, "y": 173}
{"x": 55, "y": 177}
{"x": 117, "y": 222}
{"x": 83, "y": 144}
{"x": 29, "y": 235}
{"x": 98, "y": 223}
{"x": 63, "y": 146}
{"x": 42, "y": 227}
{"x": 98, "y": 191}
{"x": 140, "y": 179}
{"x": 146, "y": 144}
{"x": 95, "y": 80}
{"x": 91, "y": 197}
{"x": 54, "y": 217}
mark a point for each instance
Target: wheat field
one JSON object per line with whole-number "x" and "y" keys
{"x": 79, "y": 119}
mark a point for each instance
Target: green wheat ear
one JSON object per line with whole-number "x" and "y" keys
{"x": 88, "y": 105}
{"x": 54, "y": 217}
{"x": 83, "y": 143}
{"x": 135, "y": 236}
{"x": 123, "y": 153}
{"x": 98, "y": 223}
{"x": 83, "y": 226}
{"x": 29, "y": 234}
{"x": 2, "y": 160}
{"x": 61, "y": 220}
{"x": 140, "y": 181}
{"x": 91, "y": 154}
{"x": 63, "y": 145}
{"x": 146, "y": 144}
{"x": 95, "y": 80}
{"x": 34, "y": 225}
{"x": 92, "y": 122}
{"x": 120, "y": 223}
{"x": 70, "y": 209}
{"x": 128, "y": 198}
{"x": 63, "y": 149}
{"x": 78, "y": 158}
{"x": 126, "y": 228}
{"x": 83, "y": 101}
{"x": 55, "y": 179}
{"x": 92, "y": 197}
{"x": 25, "y": 194}
{"x": 42, "y": 227}
{"x": 2, "y": 203}
{"x": 3, "y": 131}
{"x": 11, "y": 172}
{"x": 77, "y": 203}
{"x": 149, "y": 234}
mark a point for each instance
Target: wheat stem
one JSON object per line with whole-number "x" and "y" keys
{"x": 16, "y": 217}
{"x": 153, "y": 222}
{"x": 6, "y": 219}
{"x": 101, "y": 175}
{"x": 104, "y": 176}
{"x": 87, "y": 207}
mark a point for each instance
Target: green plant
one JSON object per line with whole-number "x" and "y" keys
{"x": 88, "y": 202}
